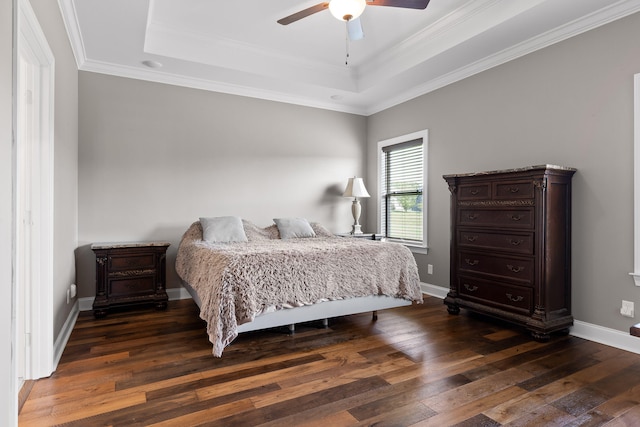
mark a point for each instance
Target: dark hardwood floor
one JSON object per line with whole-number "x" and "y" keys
{"x": 416, "y": 365}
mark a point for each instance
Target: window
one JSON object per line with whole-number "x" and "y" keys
{"x": 403, "y": 183}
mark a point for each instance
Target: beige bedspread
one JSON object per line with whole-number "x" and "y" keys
{"x": 237, "y": 281}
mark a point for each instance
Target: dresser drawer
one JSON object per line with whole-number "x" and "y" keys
{"x": 515, "y": 243}
{"x": 140, "y": 285}
{"x": 522, "y": 218}
{"x": 508, "y": 297}
{"x": 513, "y": 190}
{"x": 131, "y": 261}
{"x": 510, "y": 268}
{"x": 474, "y": 191}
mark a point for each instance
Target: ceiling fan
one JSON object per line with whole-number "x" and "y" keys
{"x": 350, "y": 11}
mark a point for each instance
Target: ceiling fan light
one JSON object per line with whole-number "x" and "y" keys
{"x": 346, "y": 10}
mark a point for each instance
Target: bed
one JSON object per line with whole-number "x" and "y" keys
{"x": 269, "y": 277}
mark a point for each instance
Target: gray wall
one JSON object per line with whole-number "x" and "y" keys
{"x": 569, "y": 104}
{"x": 8, "y": 397}
{"x": 153, "y": 158}
{"x": 65, "y": 204}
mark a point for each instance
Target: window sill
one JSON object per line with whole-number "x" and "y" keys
{"x": 414, "y": 248}
{"x": 418, "y": 250}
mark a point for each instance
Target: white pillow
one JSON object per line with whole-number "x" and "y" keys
{"x": 290, "y": 228}
{"x": 223, "y": 229}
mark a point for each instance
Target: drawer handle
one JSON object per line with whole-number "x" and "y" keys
{"x": 472, "y": 216}
{"x": 474, "y": 262}
{"x": 516, "y": 217}
{"x": 470, "y": 288}
{"x": 515, "y": 242}
{"x": 474, "y": 192}
{"x": 515, "y": 269}
{"x": 515, "y": 299}
{"x": 471, "y": 238}
{"x": 514, "y": 189}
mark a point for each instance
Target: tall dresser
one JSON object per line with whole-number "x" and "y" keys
{"x": 511, "y": 246}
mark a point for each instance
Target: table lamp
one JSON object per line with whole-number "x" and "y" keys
{"x": 355, "y": 188}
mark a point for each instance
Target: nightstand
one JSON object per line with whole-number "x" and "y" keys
{"x": 129, "y": 273}
{"x": 366, "y": 236}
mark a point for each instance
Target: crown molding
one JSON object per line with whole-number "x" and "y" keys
{"x": 612, "y": 13}
{"x": 215, "y": 86}
{"x": 72, "y": 25}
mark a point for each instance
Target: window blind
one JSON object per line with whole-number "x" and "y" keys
{"x": 401, "y": 191}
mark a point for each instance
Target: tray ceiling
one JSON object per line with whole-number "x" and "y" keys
{"x": 238, "y": 47}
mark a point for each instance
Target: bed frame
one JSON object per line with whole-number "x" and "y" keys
{"x": 322, "y": 311}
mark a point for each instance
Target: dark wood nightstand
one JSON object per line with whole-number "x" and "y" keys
{"x": 129, "y": 273}
{"x": 367, "y": 236}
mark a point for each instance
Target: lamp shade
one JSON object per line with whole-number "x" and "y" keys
{"x": 346, "y": 10}
{"x": 355, "y": 188}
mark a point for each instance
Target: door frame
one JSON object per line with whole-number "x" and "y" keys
{"x": 34, "y": 180}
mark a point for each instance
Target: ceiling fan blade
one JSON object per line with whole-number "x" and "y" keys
{"x": 303, "y": 13}
{"x": 354, "y": 29}
{"x": 407, "y": 4}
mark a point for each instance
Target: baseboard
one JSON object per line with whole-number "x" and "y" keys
{"x": 607, "y": 336}
{"x": 65, "y": 333}
{"x": 178, "y": 293}
{"x": 86, "y": 303}
{"x": 433, "y": 290}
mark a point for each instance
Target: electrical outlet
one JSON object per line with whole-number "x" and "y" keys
{"x": 627, "y": 308}
{"x": 429, "y": 268}
{"x": 68, "y": 296}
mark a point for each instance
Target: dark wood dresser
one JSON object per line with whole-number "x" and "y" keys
{"x": 129, "y": 273}
{"x": 511, "y": 246}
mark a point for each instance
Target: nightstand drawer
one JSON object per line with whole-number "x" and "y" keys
{"x": 131, "y": 261}
{"x": 134, "y": 286}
